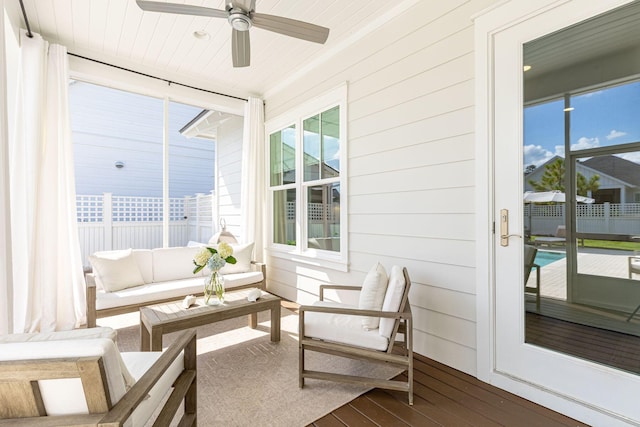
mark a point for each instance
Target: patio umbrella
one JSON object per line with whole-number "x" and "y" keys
{"x": 550, "y": 196}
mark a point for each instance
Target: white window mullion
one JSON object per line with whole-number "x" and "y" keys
{"x": 301, "y": 198}
{"x": 165, "y": 174}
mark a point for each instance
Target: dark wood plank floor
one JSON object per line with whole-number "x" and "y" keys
{"x": 444, "y": 396}
{"x": 617, "y": 349}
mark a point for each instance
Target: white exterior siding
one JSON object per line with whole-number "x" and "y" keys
{"x": 411, "y": 169}
{"x": 111, "y": 125}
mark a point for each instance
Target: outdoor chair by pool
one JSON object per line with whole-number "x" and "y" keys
{"x": 560, "y": 238}
{"x": 338, "y": 329}
{"x": 529, "y": 263}
{"x": 634, "y": 265}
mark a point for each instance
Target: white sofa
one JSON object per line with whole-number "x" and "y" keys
{"x": 124, "y": 280}
{"x": 79, "y": 377}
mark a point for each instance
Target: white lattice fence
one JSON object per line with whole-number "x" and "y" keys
{"x": 607, "y": 218}
{"x": 107, "y": 222}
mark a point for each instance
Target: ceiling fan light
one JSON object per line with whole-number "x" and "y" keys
{"x": 201, "y": 35}
{"x": 240, "y": 21}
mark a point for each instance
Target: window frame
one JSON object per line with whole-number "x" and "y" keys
{"x": 296, "y": 117}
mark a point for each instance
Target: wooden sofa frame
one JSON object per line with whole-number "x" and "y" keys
{"x": 93, "y": 314}
{"x": 22, "y": 403}
{"x": 402, "y": 358}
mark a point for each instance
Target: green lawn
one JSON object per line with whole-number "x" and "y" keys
{"x": 608, "y": 244}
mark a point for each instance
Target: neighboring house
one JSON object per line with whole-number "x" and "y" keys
{"x": 619, "y": 178}
{"x": 124, "y": 144}
{"x": 428, "y": 173}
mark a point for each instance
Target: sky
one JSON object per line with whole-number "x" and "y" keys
{"x": 601, "y": 118}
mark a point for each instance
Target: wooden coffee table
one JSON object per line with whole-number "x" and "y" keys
{"x": 157, "y": 320}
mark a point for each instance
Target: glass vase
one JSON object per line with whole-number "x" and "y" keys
{"x": 214, "y": 289}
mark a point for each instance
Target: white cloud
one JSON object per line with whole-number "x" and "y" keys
{"x": 590, "y": 94}
{"x": 632, "y": 157}
{"x": 615, "y": 134}
{"x": 536, "y": 155}
{"x": 584, "y": 143}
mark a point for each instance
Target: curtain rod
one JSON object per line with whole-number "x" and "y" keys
{"x": 170, "y": 82}
{"x": 30, "y": 35}
{"x": 26, "y": 21}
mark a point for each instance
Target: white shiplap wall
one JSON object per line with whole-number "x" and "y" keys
{"x": 411, "y": 169}
{"x": 229, "y": 165}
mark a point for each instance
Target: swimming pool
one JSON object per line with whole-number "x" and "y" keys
{"x": 545, "y": 257}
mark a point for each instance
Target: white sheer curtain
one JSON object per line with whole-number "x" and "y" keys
{"x": 253, "y": 175}
{"x": 48, "y": 283}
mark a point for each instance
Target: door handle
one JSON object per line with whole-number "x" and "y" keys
{"x": 504, "y": 228}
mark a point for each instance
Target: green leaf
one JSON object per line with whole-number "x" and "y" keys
{"x": 231, "y": 260}
{"x": 198, "y": 268}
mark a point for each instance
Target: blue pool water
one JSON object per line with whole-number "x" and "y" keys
{"x": 544, "y": 258}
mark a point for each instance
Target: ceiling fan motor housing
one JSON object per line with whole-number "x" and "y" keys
{"x": 239, "y": 20}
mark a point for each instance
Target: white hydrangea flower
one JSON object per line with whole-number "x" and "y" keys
{"x": 225, "y": 250}
{"x": 202, "y": 257}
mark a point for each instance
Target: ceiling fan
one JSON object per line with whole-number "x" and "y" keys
{"x": 242, "y": 16}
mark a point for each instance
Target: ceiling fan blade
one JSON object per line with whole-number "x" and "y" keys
{"x": 182, "y": 9}
{"x": 290, "y": 27}
{"x": 246, "y": 5}
{"x": 240, "y": 48}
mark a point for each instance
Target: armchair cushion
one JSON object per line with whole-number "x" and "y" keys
{"x": 116, "y": 272}
{"x": 372, "y": 295}
{"x": 392, "y": 300}
{"x": 139, "y": 363}
{"x": 74, "y": 334}
{"x": 66, "y": 396}
{"x": 342, "y": 328}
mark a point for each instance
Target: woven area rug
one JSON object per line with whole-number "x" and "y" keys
{"x": 244, "y": 379}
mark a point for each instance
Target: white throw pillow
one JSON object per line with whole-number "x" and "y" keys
{"x": 116, "y": 271}
{"x": 243, "y": 254}
{"x": 392, "y": 299}
{"x": 372, "y": 294}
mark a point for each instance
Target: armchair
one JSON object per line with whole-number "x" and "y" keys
{"x": 337, "y": 329}
{"x": 529, "y": 264}
{"x": 83, "y": 381}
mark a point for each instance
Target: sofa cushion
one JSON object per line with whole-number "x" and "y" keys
{"x": 372, "y": 294}
{"x": 173, "y": 263}
{"x": 116, "y": 270}
{"x": 168, "y": 289}
{"x": 243, "y": 253}
{"x": 342, "y": 328}
{"x": 144, "y": 260}
{"x": 66, "y": 396}
{"x": 392, "y": 299}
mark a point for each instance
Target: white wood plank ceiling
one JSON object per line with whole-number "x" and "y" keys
{"x": 118, "y": 32}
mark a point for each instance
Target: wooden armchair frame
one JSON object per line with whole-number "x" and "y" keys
{"x": 23, "y": 405}
{"x": 403, "y": 358}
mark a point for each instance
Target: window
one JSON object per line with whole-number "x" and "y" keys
{"x": 307, "y": 179}
{"x": 120, "y": 173}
